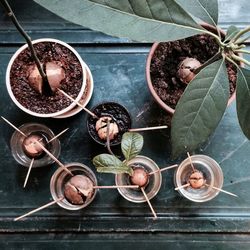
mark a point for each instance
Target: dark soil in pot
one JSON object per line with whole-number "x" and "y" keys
{"x": 165, "y": 61}
{"x": 117, "y": 113}
{"x": 31, "y": 99}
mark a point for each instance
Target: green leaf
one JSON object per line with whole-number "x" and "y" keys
{"x": 106, "y": 163}
{"x": 206, "y": 10}
{"x": 140, "y": 20}
{"x": 231, "y": 32}
{"x": 131, "y": 145}
{"x": 200, "y": 108}
{"x": 243, "y": 100}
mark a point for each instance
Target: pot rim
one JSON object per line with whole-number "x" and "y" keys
{"x": 150, "y": 84}
{"x": 12, "y": 96}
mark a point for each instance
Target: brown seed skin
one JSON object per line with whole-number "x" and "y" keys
{"x": 196, "y": 180}
{"x": 35, "y": 79}
{"x": 31, "y": 148}
{"x": 186, "y": 68}
{"x": 78, "y": 189}
{"x": 101, "y": 128}
{"x": 139, "y": 177}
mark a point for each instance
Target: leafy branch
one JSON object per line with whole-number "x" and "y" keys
{"x": 131, "y": 146}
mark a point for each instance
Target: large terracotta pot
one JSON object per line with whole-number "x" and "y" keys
{"x": 149, "y": 80}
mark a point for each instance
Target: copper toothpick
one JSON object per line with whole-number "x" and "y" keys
{"x": 147, "y": 128}
{"x": 149, "y": 203}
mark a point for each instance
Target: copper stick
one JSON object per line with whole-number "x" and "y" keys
{"x": 28, "y": 173}
{"x": 77, "y": 103}
{"x": 53, "y": 157}
{"x": 13, "y": 126}
{"x": 163, "y": 169}
{"x": 38, "y": 209}
{"x": 52, "y": 139}
{"x": 149, "y": 203}
{"x": 183, "y": 186}
{"x": 147, "y": 128}
{"x": 221, "y": 190}
{"x": 190, "y": 159}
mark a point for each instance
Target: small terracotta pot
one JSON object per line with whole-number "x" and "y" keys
{"x": 148, "y": 75}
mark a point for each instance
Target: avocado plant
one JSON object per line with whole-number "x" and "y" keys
{"x": 205, "y": 98}
{"x": 131, "y": 146}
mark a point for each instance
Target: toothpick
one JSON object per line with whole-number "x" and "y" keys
{"x": 190, "y": 159}
{"x": 118, "y": 186}
{"x": 149, "y": 203}
{"x": 163, "y": 169}
{"x": 77, "y": 103}
{"x": 28, "y": 173}
{"x": 13, "y": 126}
{"x": 147, "y": 128}
{"x": 53, "y": 157}
{"x": 221, "y": 190}
{"x": 40, "y": 208}
{"x": 183, "y": 186}
{"x": 52, "y": 139}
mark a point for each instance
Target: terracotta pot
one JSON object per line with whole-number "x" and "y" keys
{"x": 58, "y": 113}
{"x": 148, "y": 76}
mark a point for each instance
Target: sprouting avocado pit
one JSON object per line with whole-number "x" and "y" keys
{"x": 79, "y": 189}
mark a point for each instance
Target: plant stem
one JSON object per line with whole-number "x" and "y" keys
{"x": 13, "y": 18}
{"x": 242, "y": 40}
{"x": 242, "y": 51}
{"x": 217, "y": 38}
{"x": 108, "y": 139}
{"x": 231, "y": 61}
{"x": 240, "y": 33}
{"x": 209, "y": 61}
{"x": 240, "y": 59}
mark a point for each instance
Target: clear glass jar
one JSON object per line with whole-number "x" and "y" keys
{"x": 17, "y": 147}
{"x": 61, "y": 177}
{"x": 212, "y": 174}
{"x": 151, "y": 189}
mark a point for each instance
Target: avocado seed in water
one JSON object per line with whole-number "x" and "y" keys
{"x": 186, "y": 69}
{"x": 78, "y": 189}
{"x": 31, "y": 148}
{"x": 101, "y": 128}
{"x": 140, "y": 177}
{"x": 197, "y": 179}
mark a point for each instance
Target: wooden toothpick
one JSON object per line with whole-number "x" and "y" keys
{"x": 149, "y": 203}
{"x": 53, "y": 157}
{"x": 13, "y": 126}
{"x": 147, "y": 128}
{"x": 118, "y": 186}
{"x": 28, "y": 173}
{"x": 221, "y": 190}
{"x": 183, "y": 186}
{"x": 163, "y": 169}
{"x": 79, "y": 104}
{"x": 39, "y": 209}
{"x": 191, "y": 162}
{"x": 52, "y": 139}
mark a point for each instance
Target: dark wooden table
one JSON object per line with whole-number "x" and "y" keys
{"x": 118, "y": 68}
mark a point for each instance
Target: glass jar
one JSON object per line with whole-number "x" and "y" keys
{"x": 211, "y": 171}
{"x": 17, "y": 145}
{"x": 151, "y": 189}
{"x": 61, "y": 177}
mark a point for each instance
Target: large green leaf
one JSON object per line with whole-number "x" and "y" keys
{"x": 200, "y": 108}
{"x": 106, "y": 163}
{"x": 206, "y": 10}
{"x": 243, "y": 100}
{"x": 140, "y": 20}
{"x": 132, "y": 144}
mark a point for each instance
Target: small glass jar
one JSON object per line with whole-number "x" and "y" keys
{"x": 17, "y": 145}
{"x": 151, "y": 189}
{"x": 61, "y": 177}
{"x": 211, "y": 171}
